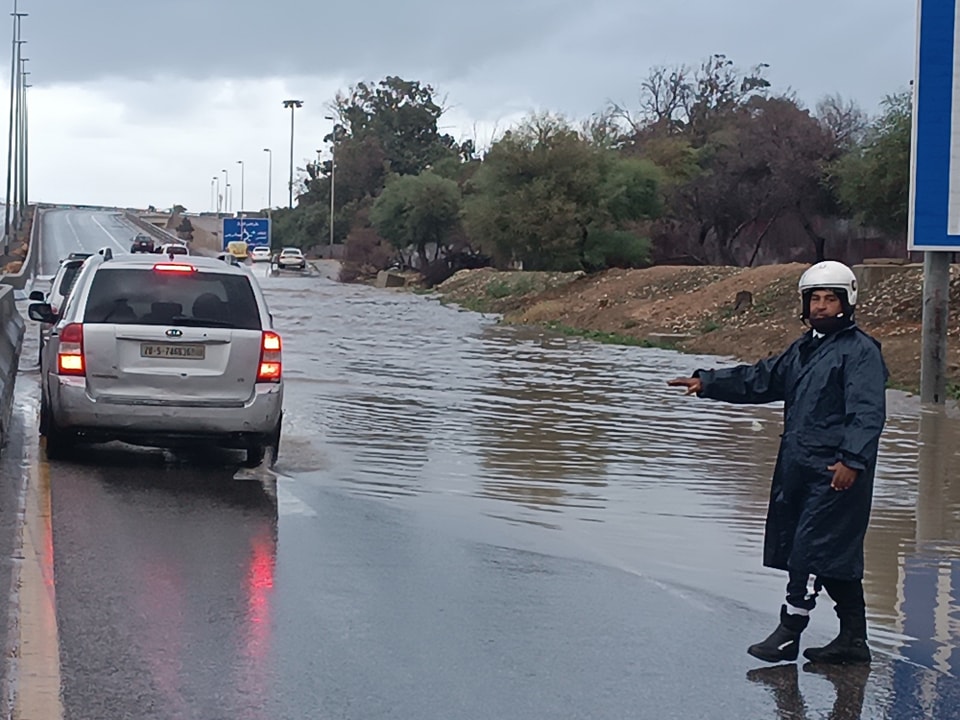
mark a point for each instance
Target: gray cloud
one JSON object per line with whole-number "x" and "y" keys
{"x": 567, "y": 55}
{"x": 215, "y": 38}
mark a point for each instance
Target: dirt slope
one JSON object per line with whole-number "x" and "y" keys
{"x": 699, "y": 302}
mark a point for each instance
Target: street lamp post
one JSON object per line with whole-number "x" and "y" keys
{"x": 226, "y": 190}
{"x": 333, "y": 175}
{"x": 242, "y": 181}
{"x": 15, "y": 53}
{"x": 213, "y": 201}
{"x": 22, "y": 135}
{"x": 293, "y": 105}
{"x": 219, "y": 199}
{"x": 269, "y": 178}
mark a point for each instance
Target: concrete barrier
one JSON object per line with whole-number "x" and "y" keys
{"x": 11, "y": 341}
{"x": 20, "y": 279}
{"x": 163, "y": 236}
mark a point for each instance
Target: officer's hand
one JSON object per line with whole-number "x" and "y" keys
{"x": 843, "y": 477}
{"x": 693, "y": 385}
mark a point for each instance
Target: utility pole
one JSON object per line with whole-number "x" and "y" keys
{"x": 226, "y": 190}
{"x": 240, "y": 163}
{"x": 22, "y": 136}
{"x": 292, "y": 105}
{"x": 269, "y": 178}
{"x": 333, "y": 175}
{"x": 14, "y": 65}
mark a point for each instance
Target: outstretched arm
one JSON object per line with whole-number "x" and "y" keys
{"x": 762, "y": 382}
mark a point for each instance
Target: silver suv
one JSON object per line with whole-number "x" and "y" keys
{"x": 161, "y": 352}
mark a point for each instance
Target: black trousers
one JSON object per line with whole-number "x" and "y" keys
{"x": 846, "y": 594}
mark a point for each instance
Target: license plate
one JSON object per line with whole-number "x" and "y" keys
{"x": 177, "y": 351}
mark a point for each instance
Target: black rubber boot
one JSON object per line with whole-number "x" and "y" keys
{"x": 783, "y": 644}
{"x": 847, "y": 648}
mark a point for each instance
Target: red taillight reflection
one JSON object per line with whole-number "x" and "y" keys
{"x": 271, "y": 365}
{"x": 70, "y": 353}
{"x": 174, "y": 268}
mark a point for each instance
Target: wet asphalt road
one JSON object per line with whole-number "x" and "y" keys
{"x": 467, "y": 521}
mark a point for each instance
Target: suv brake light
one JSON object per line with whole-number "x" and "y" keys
{"x": 271, "y": 366}
{"x": 174, "y": 267}
{"x": 70, "y": 353}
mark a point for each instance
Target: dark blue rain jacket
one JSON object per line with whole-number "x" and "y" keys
{"x": 834, "y": 409}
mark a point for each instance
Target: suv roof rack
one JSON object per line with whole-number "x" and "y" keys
{"x": 106, "y": 252}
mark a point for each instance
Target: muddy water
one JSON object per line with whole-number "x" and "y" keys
{"x": 579, "y": 448}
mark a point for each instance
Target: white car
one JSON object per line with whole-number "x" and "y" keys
{"x": 60, "y": 288}
{"x": 173, "y": 249}
{"x": 261, "y": 253}
{"x": 291, "y": 257}
{"x": 159, "y": 352}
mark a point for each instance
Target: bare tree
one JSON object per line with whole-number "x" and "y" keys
{"x": 844, "y": 119}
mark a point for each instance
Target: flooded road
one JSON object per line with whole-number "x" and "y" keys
{"x": 551, "y": 437}
{"x": 472, "y": 520}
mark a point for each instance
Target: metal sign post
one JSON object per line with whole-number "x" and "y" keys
{"x": 934, "y": 225}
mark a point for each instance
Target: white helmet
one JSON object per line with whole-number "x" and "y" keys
{"x": 830, "y": 275}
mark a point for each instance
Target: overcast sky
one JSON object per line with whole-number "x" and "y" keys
{"x": 139, "y": 102}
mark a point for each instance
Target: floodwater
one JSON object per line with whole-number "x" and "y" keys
{"x": 580, "y": 446}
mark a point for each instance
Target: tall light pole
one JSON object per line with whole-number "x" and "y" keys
{"x": 226, "y": 190}
{"x": 333, "y": 174}
{"x": 22, "y": 136}
{"x": 15, "y": 53}
{"x": 219, "y": 199}
{"x": 26, "y": 148}
{"x": 240, "y": 163}
{"x": 213, "y": 201}
{"x": 269, "y": 177}
{"x": 293, "y": 105}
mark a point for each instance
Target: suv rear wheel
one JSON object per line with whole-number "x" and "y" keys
{"x": 59, "y": 441}
{"x": 257, "y": 451}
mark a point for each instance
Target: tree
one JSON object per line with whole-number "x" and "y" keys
{"x": 417, "y": 210}
{"x": 679, "y": 99}
{"x": 846, "y": 122}
{"x": 550, "y": 198}
{"x": 402, "y": 117}
{"x": 762, "y": 159}
{"x": 873, "y": 179}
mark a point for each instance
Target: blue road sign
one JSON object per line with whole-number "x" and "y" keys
{"x": 253, "y": 231}
{"x": 935, "y": 171}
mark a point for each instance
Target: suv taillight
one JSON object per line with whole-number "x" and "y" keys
{"x": 271, "y": 366}
{"x": 70, "y": 353}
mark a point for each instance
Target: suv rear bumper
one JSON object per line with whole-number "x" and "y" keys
{"x": 74, "y": 409}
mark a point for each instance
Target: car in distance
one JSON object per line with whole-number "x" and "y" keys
{"x": 173, "y": 249}
{"x": 260, "y": 253}
{"x": 291, "y": 257}
{"x": 142, "y": 243}
{"x": 237, "y": 248}
{"x": 163, "y": 353}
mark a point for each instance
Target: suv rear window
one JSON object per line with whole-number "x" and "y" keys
{"x": 150, "y": 297}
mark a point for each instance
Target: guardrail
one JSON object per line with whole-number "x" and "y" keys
{"x": 164, "y": 236}
{"x": 11, "y": 341}
{"x": 20, "y": 279}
